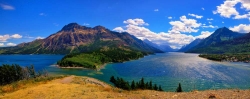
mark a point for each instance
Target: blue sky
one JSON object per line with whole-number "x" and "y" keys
{"x": 172, "y": 22}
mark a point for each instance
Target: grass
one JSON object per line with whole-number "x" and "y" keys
{"x": 26, "y": 83}
{"x": 81, "y": 88}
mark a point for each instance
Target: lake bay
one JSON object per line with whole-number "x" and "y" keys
{"x": 167, "y": 70}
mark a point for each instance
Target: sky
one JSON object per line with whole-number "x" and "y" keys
{"x": 165, "y": 22}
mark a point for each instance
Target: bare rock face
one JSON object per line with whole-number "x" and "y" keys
{"x": 77, "y": 38}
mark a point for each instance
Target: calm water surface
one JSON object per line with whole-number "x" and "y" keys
{"x": 166, "y": 69}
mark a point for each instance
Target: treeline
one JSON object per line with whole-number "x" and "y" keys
{"x": 14, "y": 72}
{"x": 121, "y": 83}
{"x": 94, "y": 59}
{"x": 227, "y": 57}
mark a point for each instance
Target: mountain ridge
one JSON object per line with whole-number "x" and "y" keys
{"x": 74, "y": 38}
{"x": 221, "y": 42}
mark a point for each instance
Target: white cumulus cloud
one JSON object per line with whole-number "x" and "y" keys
{"x": 196, "y": 16}
{"x": 16, "y": 36}
{"x": 136, "y": 21}
{"x": 228, "y": 9}
{"x": 174, "y": 39}
{"x": 119, "y": 29}
{"x": 170, "y": 17}
{"x": 242, "y": 28}
{"x": 4, "y": 38}
{"x": 11, "y": 44}
{"x": 184, "y": 25}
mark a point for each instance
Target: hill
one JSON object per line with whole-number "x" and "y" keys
{"x": 73, "y": 87}
{"x": 222, "y": 40}
{"x": 73, "y": 38}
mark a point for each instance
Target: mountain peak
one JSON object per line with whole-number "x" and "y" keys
{"x": 72, "y": 26}
{"x": 99, "y": 27}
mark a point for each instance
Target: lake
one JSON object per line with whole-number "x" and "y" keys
{"x": 167, "y": 70}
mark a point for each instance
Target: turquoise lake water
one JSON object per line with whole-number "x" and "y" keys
{"x": 167, "y": 70}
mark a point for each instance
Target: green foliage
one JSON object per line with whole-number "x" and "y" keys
{"x": 14, "y": 72}
{"x": 121, "y": 83}
{"x": 227, "y": 57}
{"x": 97, "y": 58}
{"x": 179, "y": 89}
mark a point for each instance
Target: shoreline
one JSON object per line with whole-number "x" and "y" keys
{"x": 80, "y": 67}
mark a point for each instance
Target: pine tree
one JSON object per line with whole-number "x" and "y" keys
{"x": 142, "y": 84}
{"x": 160, "y": 89}
{"x": 155, "y": 87}
{"x": 112, "y": 79}
{"x": 150, "y": 85}
{"x": 179, "y": 89}
{"x": 133, "y": 85}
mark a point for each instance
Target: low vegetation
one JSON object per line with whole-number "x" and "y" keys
{"x": 94, "y": 60}
{"x": 227, "y": 57}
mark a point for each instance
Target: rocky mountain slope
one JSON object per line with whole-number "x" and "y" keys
{"x": 73, "y": 38}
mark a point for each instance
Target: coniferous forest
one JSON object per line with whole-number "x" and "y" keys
{"x": 121, "y": 83}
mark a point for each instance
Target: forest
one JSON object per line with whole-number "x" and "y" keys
{"x": 227, "y": 57}
{"x": 94, "y": 60}
{"x": 14, "y": 72}
{"x": 121, "y": 83}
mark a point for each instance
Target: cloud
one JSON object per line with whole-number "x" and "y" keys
{"x": 242, "y": 28}
{"x": 204, "y": 34}
{"x": 1, "y": 44}
{"x": 244, "y": 16}
{"x": 7, "y": 7}
{"x": 175, "y": 40}
{"x": 209, "y": 26}
{"x": 156, "y": 10}
{"x": 56, "y": 24}
{"x": 184, "y": 25}
{"x": 137, "y": 21}
{"x": 210, "y": 19}
{"x": 228, "y": 9}
{"x": 11, "y": 44}
{"x": 203, "y": 8}
{"x": 39, "y": 37}
{"x": 86, "y": 24}
{"x": 4, "y": 38}
{"x": 170, "y": 17}
{"x": 42, "y": 14}
{"x": 119, "y": 29}
{"x": 16, "y": 36}
{"x": 222, "y": 22}
{"x": 196, "y": 16}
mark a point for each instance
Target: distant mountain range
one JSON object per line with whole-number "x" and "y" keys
{"x": 223, "y": 41}
{"x": 191, "y": 45}
{"x": 73, "y": 38}
{"x": 165, "y": 48}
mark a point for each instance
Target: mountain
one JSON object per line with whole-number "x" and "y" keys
{"x": 240, "y": 45}
{"x": 165, "y": 48}
{"x": 73, "y": 38}
{"x": 191, "y": 45}
{"x": 220, "y": 35}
